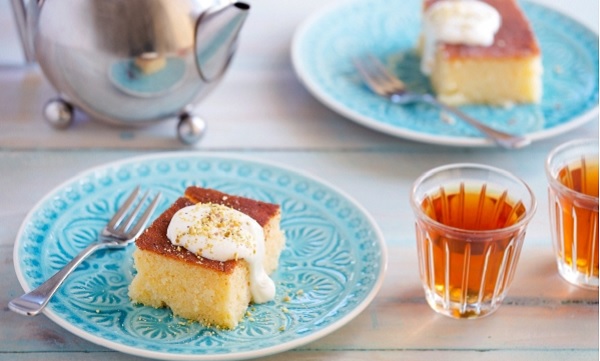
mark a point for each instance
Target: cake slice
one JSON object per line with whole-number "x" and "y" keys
{"x": 212, "y": 292}
{"x": 507, "y": 71}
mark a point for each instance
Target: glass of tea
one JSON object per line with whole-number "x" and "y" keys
{"x": 572, "y": 172}
{"x": 470, "y": 225}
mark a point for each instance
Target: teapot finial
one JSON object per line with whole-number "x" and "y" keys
{"x": 216, "y": 38}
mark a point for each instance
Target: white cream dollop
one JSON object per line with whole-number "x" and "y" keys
{"x": 221, "y": 233}
{"x": 469, "y": 22}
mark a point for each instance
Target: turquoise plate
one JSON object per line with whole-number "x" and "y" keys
{"x": 332, "y": 267}
{"x": 325, "y": 43}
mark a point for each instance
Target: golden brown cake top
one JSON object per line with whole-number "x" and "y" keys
{"x": 261, "y": 212}
{"x": 154, "y": 238}
{"x": 515, "y": 38}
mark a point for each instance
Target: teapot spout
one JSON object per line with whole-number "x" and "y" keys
{"x": 216, "y": 38}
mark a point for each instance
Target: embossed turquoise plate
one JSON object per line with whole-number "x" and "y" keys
{"x": 332, "y": 267}
{"x": 325, "y": 43}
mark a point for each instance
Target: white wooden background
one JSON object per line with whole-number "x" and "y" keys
{"x": 261, "y": 110}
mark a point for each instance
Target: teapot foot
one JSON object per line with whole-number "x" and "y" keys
{"x": 190, "y": 128}
{"x": 59, "y": 113}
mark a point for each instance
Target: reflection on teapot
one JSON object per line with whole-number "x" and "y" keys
{"x": 131, "y": 62}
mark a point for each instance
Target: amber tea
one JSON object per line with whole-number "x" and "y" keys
{"x": 575, "y": 218}
{"x": 474, "y": 209}
{"x": 470, "y": 228}
{"x": 464, "y": 270}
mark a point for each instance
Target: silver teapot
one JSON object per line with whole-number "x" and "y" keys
{"x": 131, "y": 62}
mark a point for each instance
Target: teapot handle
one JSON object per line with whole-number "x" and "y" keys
{"x": 20, "y": 15}
{"x": 22, "y": 20}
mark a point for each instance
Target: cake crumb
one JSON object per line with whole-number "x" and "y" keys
{"x": 508, "y": 105}
{"x": 447, "y": 118}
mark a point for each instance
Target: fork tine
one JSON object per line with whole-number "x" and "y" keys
{"x": 384, "y": 72}
{"x": 118, "y": 217}
{"x": 144, "y": 218}
{"x": 371, "y": 76}
{"x": 366, "y": 75}
{"x": 126, "y": 223}
{"x": 377, "y": 77}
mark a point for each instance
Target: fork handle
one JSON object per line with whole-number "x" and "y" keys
{"x": 32, "y": 303}
{"x": 505, "y": 140}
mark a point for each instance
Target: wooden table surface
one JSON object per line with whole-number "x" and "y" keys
{"x": 260, "y": 110}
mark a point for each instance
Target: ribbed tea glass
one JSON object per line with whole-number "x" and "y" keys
{"x": 572, "y": 172}
{"x": 470, "y": 225}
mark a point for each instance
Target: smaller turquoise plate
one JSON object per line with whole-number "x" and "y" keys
{"x": 332, "y": 267}
{"x": 324, "y": 45}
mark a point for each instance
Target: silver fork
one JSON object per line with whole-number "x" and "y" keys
{"x": 119, "y": 232}
{"x": 384, "y": 83}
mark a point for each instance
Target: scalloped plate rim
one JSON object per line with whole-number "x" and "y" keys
{"x": 316, "y": 90}
{"x": 286, "y": 346}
